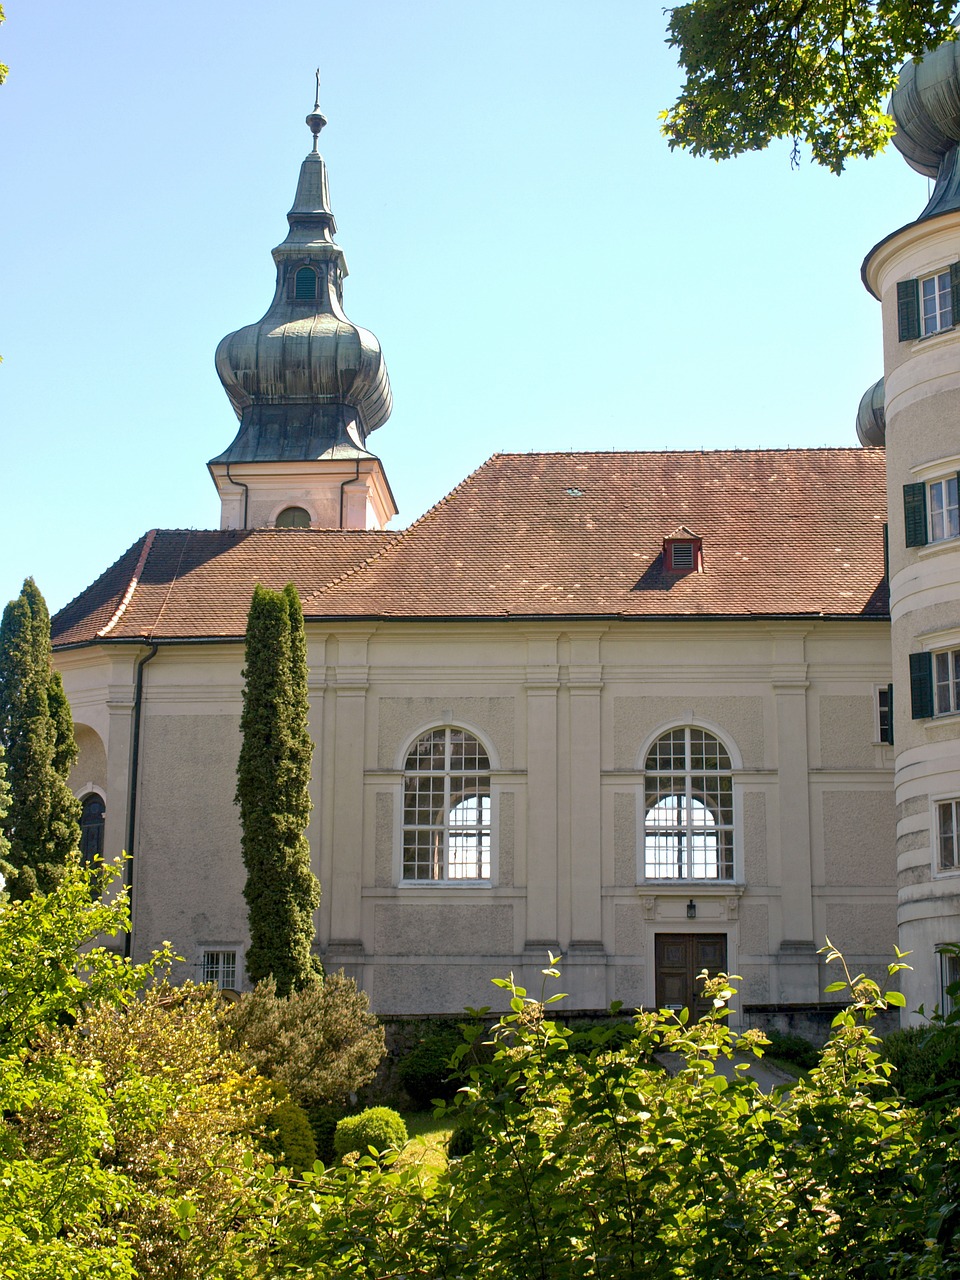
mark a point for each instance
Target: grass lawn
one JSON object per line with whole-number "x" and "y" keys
{"x": 428, "y": 1140}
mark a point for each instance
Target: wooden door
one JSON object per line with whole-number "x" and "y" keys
{"x": 680, "y": 957}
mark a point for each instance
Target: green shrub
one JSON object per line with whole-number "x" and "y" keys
{"x": 462, "y": 1140}
{"x": 289, "y": 1136}
{"x": 425, "y": 1073}
{"x": 792, "y": 1048}
{"x": 324, "y": 1118}
{"x": 927, "y": 1061}
{"x": 379, "y": 1127}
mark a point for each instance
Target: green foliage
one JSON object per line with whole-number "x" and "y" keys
{"x": 181, "y": 1114}
{"x": 927, "y": 1057}
{"x": 378, "y": 1127}
{"x": 273, "y": 781}
{"x": 914, "y": 1054}
{"x": 320, "y": 1043}
{"x": 3, "y": 69}
{"x": 428, "y": 1071}
{"x": 125, "y": 1128}
{"x": 36, "y": 733}
{"x": 588, "y": 1163}
{"x": 288, "y": 1136}
{"x": 463, "y": 1139}
{"x": 60, "y": 1201}
{"x": 324, "y": 1118}
{"x": 818, "y": 71}
{"x": 792, "y": 1048}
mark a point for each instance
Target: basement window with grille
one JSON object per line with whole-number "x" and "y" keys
{"x": 219, "y": 968}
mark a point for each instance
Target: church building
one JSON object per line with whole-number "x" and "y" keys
{"x": 639, "y": 708}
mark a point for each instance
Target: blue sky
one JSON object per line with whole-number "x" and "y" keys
{"x": 542, "y": 272}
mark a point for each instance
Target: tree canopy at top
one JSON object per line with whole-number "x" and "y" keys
{"x": 817, "y": 71}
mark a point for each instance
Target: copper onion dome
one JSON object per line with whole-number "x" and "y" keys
{"x": 305, "y": 379}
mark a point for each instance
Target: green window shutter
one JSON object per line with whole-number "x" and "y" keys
{"x": 886, "y": 553}
{"x": 890, "y": 714}
{"x": 955, "y": 290}
{"x": 915, "y": 514}
{"x": 921, "y": 685}
{"x": 908, "y": 309}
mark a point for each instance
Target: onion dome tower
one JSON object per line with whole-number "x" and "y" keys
{"x": 308, "y": 385}
{"x": 914, "y": 413}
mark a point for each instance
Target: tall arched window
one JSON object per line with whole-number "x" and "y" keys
{"x": 446, "y": 808}
{"x": 92, "y": 816}
{"x": 305, "y": 284}
{"x": 688, "y": 808}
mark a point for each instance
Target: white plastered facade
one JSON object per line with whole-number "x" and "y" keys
{"x": 566, "y": 712}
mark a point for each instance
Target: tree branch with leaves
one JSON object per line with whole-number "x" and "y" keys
{"x": 814, "y": 71}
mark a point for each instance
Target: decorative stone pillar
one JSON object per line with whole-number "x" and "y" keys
{"x": 798, "y": 970}
{"x": 542, "y": 685}
{"x": 352, "y": 679}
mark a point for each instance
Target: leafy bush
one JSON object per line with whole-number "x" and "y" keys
{"x": 588, "y": 1163}
{"x": 324, "y": 1118}
{"x": 321, "y": 1043}
{"x": 462, "y": 1140}
{"x": 379, "y": 1127}
{"x": 792, "y": 1048}
{"x": 927, "y": 1062}
{"x": 121, "y": 1120}
{"x": 427, "y": 1071}
{"x": 289, "y": 1135}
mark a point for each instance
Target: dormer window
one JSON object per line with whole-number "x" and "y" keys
{"x": 305, "y": 285}
{"x": 682, "y": 552}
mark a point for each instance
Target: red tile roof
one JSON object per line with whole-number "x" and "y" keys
{"x": 189, "y": 583}
{"x": 786, "y": 533}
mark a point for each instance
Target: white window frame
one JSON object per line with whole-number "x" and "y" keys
{"x": 446, "y": 830}
{"x": 949, "y": 513}
{"x": 941, "y": 807}
{"x": 690, "y": 830}
{"x": 215, "y": 966}
{"x": 946, "y": 682}
{"x": 941, "y": 316}
{"x": 949, "y": 966}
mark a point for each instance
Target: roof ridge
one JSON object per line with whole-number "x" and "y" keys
{"x": 132, "y": 585}
{"x": 402, "y": 533}
{"x": 657, "y": 453}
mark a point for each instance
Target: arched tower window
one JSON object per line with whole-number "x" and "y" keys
{"x": 92, "y": 816}
{"x": 446, "y": 808}
{"x": 305, "y": 284}
{"x": 293, "y": 518}
{"x": 688, "y": 808}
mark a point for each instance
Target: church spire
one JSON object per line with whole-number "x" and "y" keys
{"x": 307, "y": 384}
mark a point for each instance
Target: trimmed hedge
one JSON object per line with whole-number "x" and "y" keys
{"x": 379, "y": 1127}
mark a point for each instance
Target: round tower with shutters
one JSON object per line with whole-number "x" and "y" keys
{"x": 914, "y": 413}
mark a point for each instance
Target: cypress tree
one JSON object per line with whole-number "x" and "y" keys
{"x": 36, "y": 733}
{"x": 273, "y": 792}
{"x": 6, "y": 870}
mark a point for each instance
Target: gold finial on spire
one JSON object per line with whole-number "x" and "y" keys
{"x": 316, "y": 119}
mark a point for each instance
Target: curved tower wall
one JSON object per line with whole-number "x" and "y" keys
{"x": 922, "y": 412}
